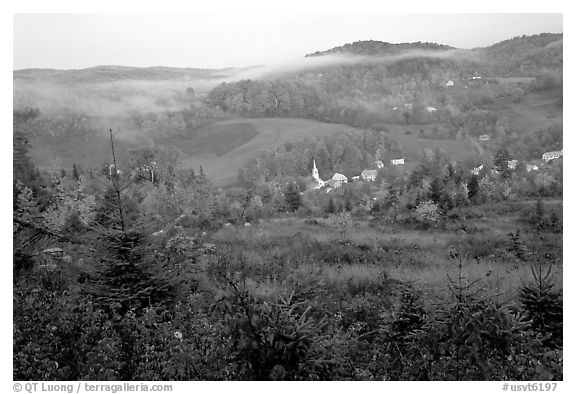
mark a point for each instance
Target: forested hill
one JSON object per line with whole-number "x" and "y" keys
{"x": 116, "y": 73}
{"x": 526, "y": 55}
{"x": 379, "y": 48}
{"x": 379, "y": 82}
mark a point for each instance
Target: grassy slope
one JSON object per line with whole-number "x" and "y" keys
{"x": 222, "y": 147}
{"x": 220, "y": 159}
{"x": 535, "y": 111}
{"x": 213, "y": 146}
{"x": 413, "y": 146}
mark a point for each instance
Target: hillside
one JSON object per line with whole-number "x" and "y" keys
{"x": 115, "y": 73}
{"x": 402, "y": 91}
{"x": 379, "y": 48}
{"x": 221, "y": 148}
{"x": 518, "y": 56}
{"x": 525, "y": 55}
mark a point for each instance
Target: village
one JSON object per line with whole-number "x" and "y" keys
{"x": 369, "y": 175}
{"x": 337, "y": 180}
{"x": 533, "y": 165}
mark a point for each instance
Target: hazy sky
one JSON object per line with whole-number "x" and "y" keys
{"x": 67, "y": 41}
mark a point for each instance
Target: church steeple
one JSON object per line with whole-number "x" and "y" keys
{"x": 315, "y": 171}
{"x": 316, "y": 176}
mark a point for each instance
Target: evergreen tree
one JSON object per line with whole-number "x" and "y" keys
{"x": 292, "y": 196}
{"x": 331, "y": 207}
{"x": 126, "y": 281}
{"x": 501, "y": 159}
{"x": 450, "y": 172}
{"x": 542, "y": 304}
{"x": 473, "y": 187}
{"x": 22, "y": 167}
{"x": 435, "y": 191}
{"x": 75, "y": 172}
{"x": 348, "y": 205}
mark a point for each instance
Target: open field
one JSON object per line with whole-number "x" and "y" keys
{"x": 413, "y": 145}
{"x": 220, "y": 148}
{"x": 285, "y": 246}
{"x": 220, "y": 159}
{"x": 211, "y": 147}
{"x": 538, "y": 110}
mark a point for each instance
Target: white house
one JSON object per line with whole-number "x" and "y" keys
{"x": 512, "y": 164}
{"x": 450, "y": 83}
{"x": 369, "y": 175}
{"x": 476, "y": 171}
{"x": 355, "y": 178}
{"x": 379, "y": 164}
{"x": 531, "y": 167}
{"x": 396, "y": 162}
{"x": 552, "y": 155}
{"x": 339, "y": 179}
{"x": 431, "y": 109}
{"x": 484, "y": 137}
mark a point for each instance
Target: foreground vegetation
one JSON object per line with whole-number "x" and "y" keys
{"x": 446, "y": 268}
{"x": 332, "y": 296}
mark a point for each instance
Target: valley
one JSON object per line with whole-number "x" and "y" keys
{"x": 372, "y": 211}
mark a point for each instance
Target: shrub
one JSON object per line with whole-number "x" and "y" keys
{"x": 341, "y": 223}
{"x": 543, "y": 306}
{"x": 516, "y": 246}
{"x": 274, "y": 341}
{"x": 427, "y": 213}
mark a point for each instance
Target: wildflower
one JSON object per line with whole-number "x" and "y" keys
{"x": 178, "y": 335}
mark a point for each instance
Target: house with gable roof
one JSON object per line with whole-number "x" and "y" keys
{"x": 339, "y": 179}
{"x": 369, "y": 175}
{"x": 552, "y": 155}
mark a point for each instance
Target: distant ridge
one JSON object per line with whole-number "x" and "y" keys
{"x": 375, "y": 48}
{"x": 113, "y": 73}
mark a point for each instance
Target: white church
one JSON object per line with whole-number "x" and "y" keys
{"x": 319, "y": 182}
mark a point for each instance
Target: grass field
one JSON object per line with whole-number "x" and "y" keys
{"x": 538, "y": 110}
{"x": 413, "y": 145}
{"x": 221, "y": 148}
{"x": 421, "y": 257}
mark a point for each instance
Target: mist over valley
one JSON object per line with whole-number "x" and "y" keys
{"x": 370, "y": 211}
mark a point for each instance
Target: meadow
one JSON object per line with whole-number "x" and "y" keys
{"x": 222, "y": 147}
{"x": 368, "y": 249}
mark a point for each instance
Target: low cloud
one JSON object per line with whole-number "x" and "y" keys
{"x": 307, "y": 63}
{"x": 122, "y": 97}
